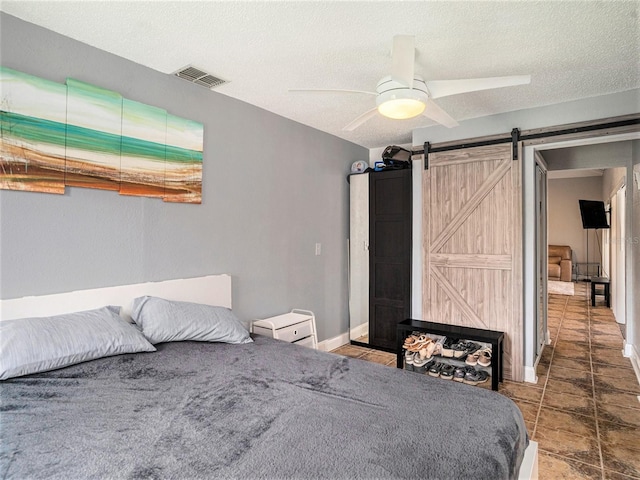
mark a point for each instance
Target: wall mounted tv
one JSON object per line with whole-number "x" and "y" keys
{"x": 593, "y": 214}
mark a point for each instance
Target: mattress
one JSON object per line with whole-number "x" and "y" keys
{"x": 265, "y": 410}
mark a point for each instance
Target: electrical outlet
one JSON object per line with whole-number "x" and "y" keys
{"x": 318, "y": 248}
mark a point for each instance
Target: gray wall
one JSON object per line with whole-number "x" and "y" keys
{"x": 272, "y": 188}
{"x": 564, "y": 221}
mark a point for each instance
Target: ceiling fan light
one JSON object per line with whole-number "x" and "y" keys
{"x": 401, "y": 108}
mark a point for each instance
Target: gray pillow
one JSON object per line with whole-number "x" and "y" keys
{"x": 172, "y": 321}
{"x": 31, "y": 345}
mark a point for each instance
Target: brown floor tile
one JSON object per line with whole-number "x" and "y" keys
{"x": 378, "y": 357}
{"x": 574, "y": 306}
{"x": 610, "y": 475}
{"x": 573, "y": 336}
{"x": 567, "y": 421}
{"x": 568, "y": 445}
{"x": 529, "y": 410}
{"x": 547, "y": 353}
{"x": 552, "y": 467}
{"x": 565, "y": 401}
{"x": 572, "y": 363}
{"x": 542, "y": 370}
{"x": 350, "y": 351}
{"x": 577, "y": 351}
{"x": 610, "y": 356}
{"x": 566, "y": 386}
{"x": 606, "y": 328}
{"x": 521, "y": 391}
{"x": 615, "y": 434}
{"x": 618, "y": 414}
{"x": 612, "y": 370}
{"x": 614, "y": 397}
{"x": 625, "y": 383}
{"x": 570, "y": 374}
{"x": 570, "y": 313}
{"x": 602, "y": 340}
{"x": 621, "y": 459}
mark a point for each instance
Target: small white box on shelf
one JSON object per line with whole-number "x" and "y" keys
{"x": 297, "y": 326}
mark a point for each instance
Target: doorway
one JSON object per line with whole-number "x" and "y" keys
{"x": 535, "y": 244}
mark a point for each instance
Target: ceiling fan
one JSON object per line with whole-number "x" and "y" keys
{"x": 403, "y": 94}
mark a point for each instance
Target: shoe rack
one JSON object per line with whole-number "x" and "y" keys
{"x": 491, "y": 337}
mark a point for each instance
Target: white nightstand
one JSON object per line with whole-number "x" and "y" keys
{"x": 297, "y": 326}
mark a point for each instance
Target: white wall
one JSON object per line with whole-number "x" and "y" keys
{"x": 564, "y": 220}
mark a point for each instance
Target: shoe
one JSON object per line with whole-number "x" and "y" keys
{"x": 410, "y": 341}
{"x": 408, "y": 361}
{"x": 484, "y": 357}
{"x": 419, "y": 363}
{"x": 447, "y": 346}
{"x": 475, "y": 377}
{"x": 434, "y": 370}
{"x": 422, "y": 343}
{"x": 460, "y": 372}
{"x": 464, "y": 348}
{"x": 472, "y": 358}
{"x": 447, "y": 371}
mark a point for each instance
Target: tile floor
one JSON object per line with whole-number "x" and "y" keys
{"x": 584, "y": 411}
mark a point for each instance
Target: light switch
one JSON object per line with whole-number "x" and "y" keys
{"x": 318, "y": 248}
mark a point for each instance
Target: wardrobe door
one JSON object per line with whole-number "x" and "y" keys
{"x": 390, "y": 255}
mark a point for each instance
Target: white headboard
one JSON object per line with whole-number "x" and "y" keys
{"x": 209, "y": 290}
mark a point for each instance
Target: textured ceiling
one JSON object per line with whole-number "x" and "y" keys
{"x": 572, "y": 49}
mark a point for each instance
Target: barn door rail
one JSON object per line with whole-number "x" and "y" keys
{"x": 516, "y": 136}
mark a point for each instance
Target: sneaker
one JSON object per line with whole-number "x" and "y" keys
{"x": 460, "y": 372}
{"x": 447, "y": 371}
{"x": 447, "y": 346}
{"x": 484, "y": 357}
{"x": 475, "y": 377}
{"x": 419, "y": 364}
{"x": 434, "y": 370}
{"x": 472, "y": 358}
{"x": 408, "y": 360}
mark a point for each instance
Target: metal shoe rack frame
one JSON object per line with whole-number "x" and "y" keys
{"x": 495, "y": 338}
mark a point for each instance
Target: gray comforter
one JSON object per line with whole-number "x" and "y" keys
{"x": 262, "y": 410}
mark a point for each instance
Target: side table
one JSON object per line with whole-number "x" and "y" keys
{"x": 606, "y": 291}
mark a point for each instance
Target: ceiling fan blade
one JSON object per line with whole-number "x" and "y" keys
{"x": 360, "y": 120}
{"x": 403, "y": 58}
{"x": 329, "y": 90}
{"x": 444, "y": 88}
{"x": 434, "y": 112}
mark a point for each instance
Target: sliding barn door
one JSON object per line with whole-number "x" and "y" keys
{"x": 472, "y": 220}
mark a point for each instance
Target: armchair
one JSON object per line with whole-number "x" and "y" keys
{"x": 560, "y": 263}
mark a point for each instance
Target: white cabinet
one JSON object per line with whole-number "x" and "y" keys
{"x": 297, "y": 326}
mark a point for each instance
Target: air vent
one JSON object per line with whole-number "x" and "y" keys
{"x": 200, "y": 77}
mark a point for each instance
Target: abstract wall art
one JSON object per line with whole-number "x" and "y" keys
{"x": 81, "y": 135}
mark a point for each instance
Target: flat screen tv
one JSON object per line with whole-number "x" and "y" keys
{"x": 593, "y": 214}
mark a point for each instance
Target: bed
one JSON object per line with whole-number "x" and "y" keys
{"x": 257, "y": 409}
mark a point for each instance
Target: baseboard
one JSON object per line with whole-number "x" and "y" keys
{"x": 333, "y": 343}
{"x": 629, "y": 351}
{"x": 530, "y": 375}
{"x": 360, "y": 331}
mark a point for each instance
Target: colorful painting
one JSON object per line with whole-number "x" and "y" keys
{"x": 52, "y": 135}
{"x": 183, "y": 170}
{"x": 32, "y": 133}
{"x": 144, "y": 132}
{"x": 94, "y": 124}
